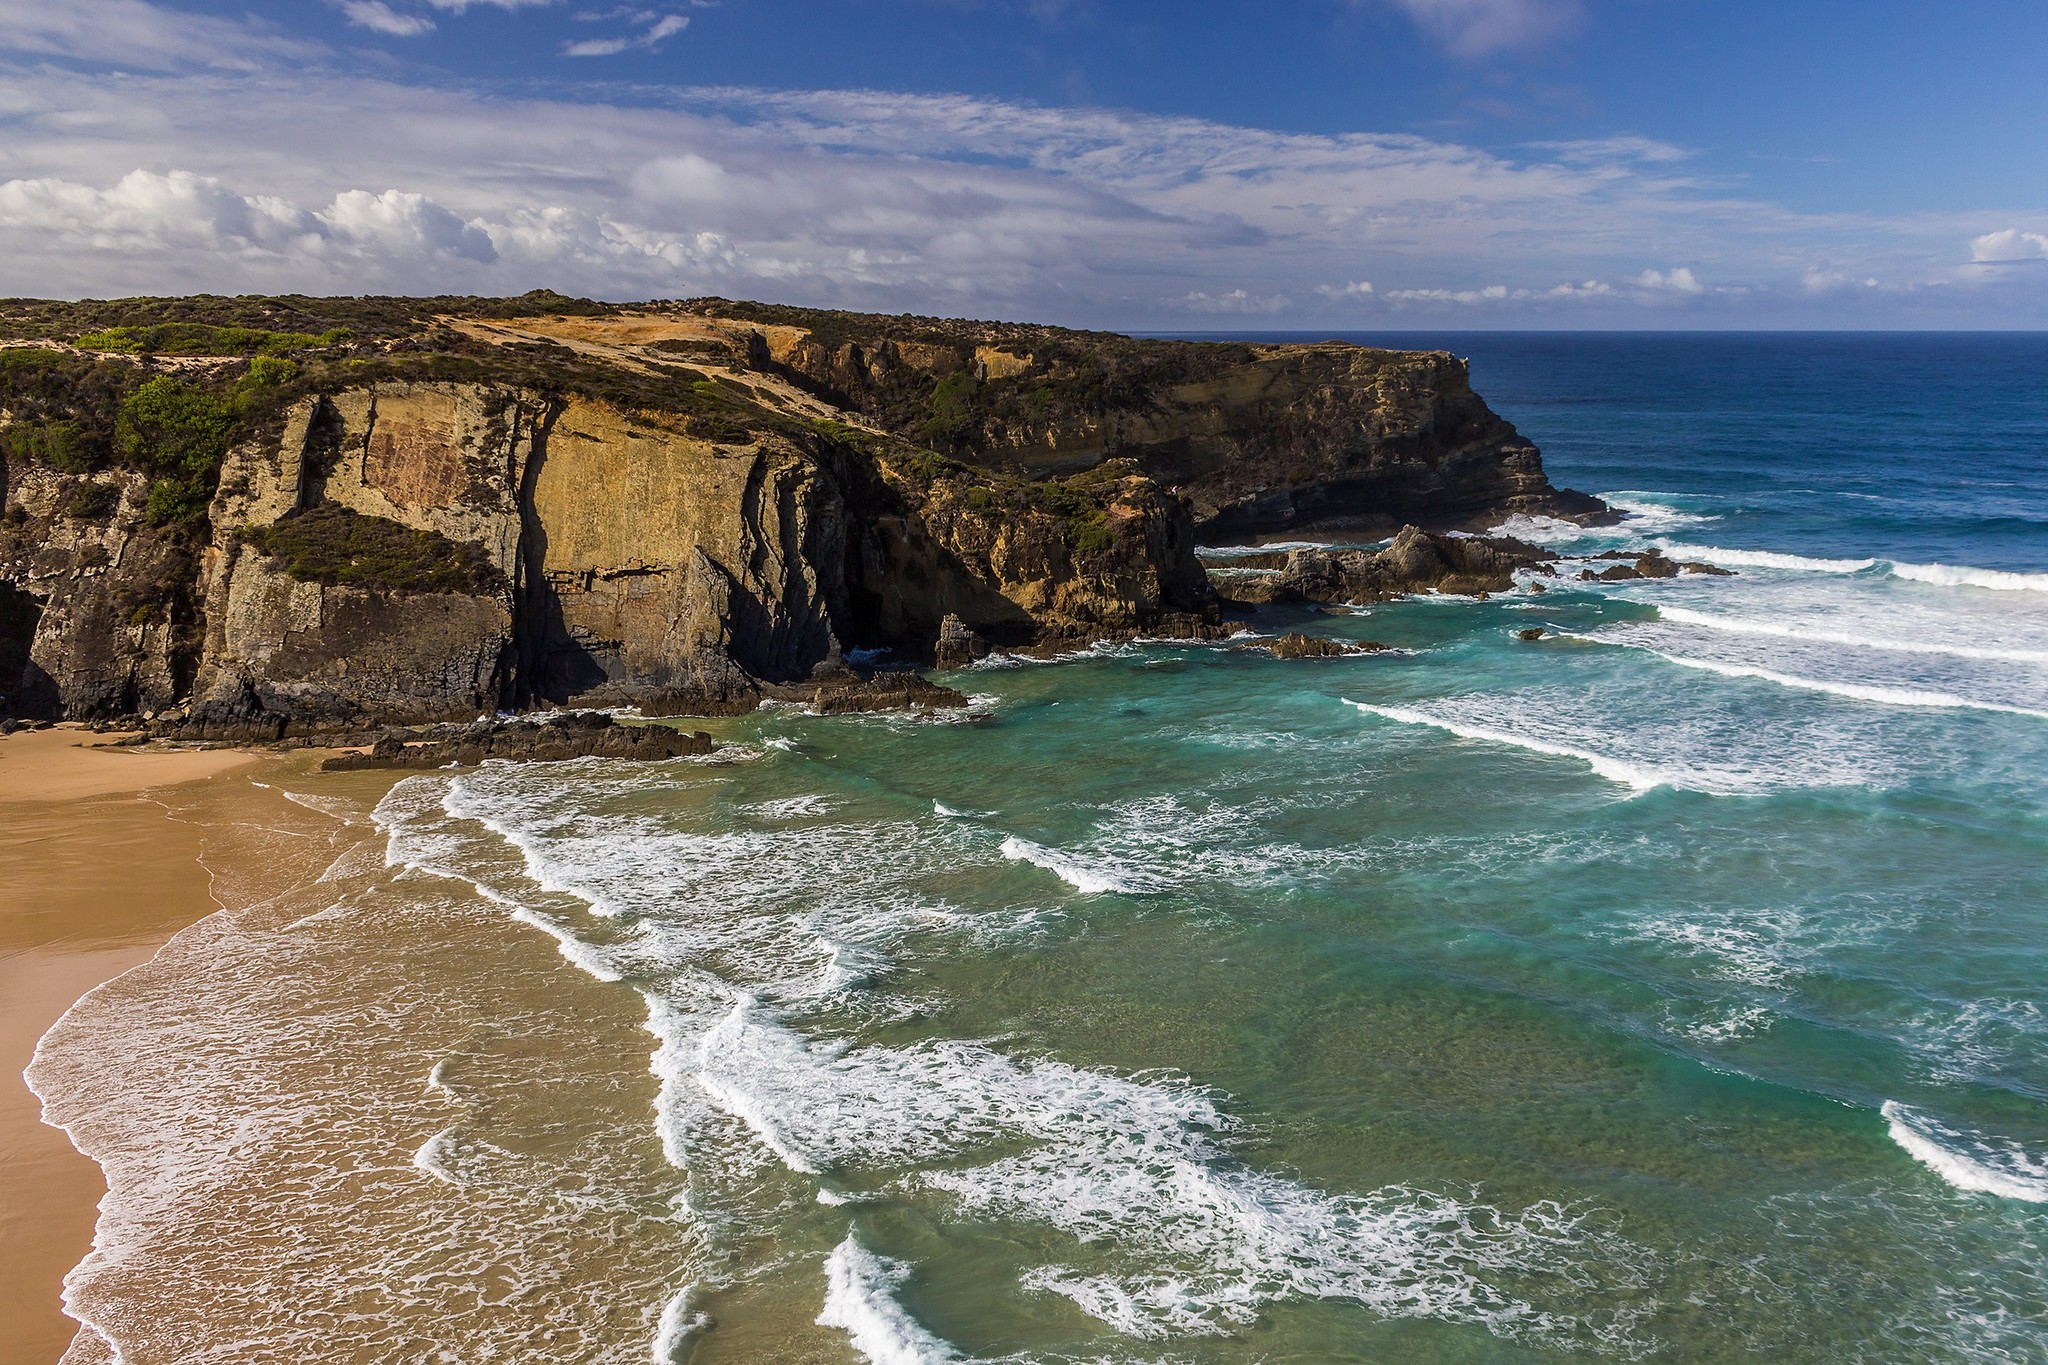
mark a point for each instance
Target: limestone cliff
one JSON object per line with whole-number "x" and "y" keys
{"x": 337, "y": 513}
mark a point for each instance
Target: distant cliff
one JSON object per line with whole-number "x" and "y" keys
{"x": 263, "y": 516}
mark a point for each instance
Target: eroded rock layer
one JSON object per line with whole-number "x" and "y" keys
{"x": 461, "y": 507}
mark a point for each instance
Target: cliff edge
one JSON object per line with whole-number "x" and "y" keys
{"x": 257, "y": 517}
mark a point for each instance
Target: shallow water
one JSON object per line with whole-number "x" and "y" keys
{"x": 1670, "y": 986}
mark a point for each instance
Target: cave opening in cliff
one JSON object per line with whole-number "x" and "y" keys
{"x": 20, "y": 613}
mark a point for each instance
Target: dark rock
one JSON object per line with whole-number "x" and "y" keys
{"x": 1532, "y": 633}
{"x": 1415, "y": 561}
{"x": 958, "y": 644}
{"x": 1297, "y": 646}
{"x": 579, "y": 735}
{"x": 884, "y": 692}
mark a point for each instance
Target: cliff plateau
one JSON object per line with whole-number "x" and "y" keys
{"x": 256, "y": 517}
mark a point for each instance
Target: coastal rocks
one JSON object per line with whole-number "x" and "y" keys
{"x": 889, "y": 691}
{"x": 94, "y": 603}
{"x": 609, "y": 524}
{"x": 553, "y": 740}
{"x": 1416, "y": 561}
{"x": 958, "y": 645}
{"x": 1530, "y": 633}
{"x": 1648, "y": 564}
{"x": 1298, "y": 646}
{"x": 1258, "y": 438}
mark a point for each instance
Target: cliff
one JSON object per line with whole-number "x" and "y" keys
{"x": 253, "y": 517}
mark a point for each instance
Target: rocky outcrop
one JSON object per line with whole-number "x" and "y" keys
{"x": 1648, "y": 564}
{"x": 1258, "y": 438}
{"x": 89, "y": 598}
{"x": 687, "y": 509}
{"x": 1416, "y": 561}
{"x": 579, "y": 735}
{"x": 1298, "y": 646}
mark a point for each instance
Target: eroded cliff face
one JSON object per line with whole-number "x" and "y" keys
{"x": 1258, "y": 438}
{"x": 284, "y": 651}
{"x": 639, "y": 563}
{"x": 684, "y": 509}
{"x": 87, "y": 628}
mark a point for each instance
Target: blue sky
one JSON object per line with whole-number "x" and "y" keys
{"x": 1292, "y": 164}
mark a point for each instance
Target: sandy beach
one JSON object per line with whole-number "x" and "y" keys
{"x": 94, "y": 876}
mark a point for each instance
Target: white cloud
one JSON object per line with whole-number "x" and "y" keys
{"x": 1678, "y": 282}
{"x": 145, "y": 36}
{"x": 660, "y": 28}
{"x": 1479, "y": 28}
{"x": 1492, "y": 293}
{"x": 2009, "y": 244}
{"x": 379, "y": 17}
{"x": 1819, "y": 280}
{"x": 294, "y": 176}
{"x": 145, "y": 210}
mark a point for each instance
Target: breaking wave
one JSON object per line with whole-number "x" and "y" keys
{"x": 1970, "y": 1162}
{"x": 1613, "y": 769}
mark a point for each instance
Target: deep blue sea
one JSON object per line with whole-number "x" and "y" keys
{"x": 1668, "y": 987}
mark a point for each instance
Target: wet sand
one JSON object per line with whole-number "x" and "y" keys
{"x": 94, "y": 877}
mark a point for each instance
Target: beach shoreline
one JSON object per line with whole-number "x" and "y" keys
{"x": 95, "y": 876}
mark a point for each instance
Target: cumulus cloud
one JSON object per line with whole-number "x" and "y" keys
{"x": 146, "y": 210}
{"x": 1492, "y": 293}
{"x": 2009, "y": 244}
{"x": 1819, "y": 280}
{"x": 1678, "y": 282}
{"x": 1356, "y": 289}
{"x": 1480, "y": 28}
{"x": 379, "y": 17}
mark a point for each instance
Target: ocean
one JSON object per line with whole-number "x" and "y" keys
{"x": 1671, "y": 986}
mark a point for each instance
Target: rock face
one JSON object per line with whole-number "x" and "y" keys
{"x": 552, "y": 740}
{"x": 694, "y": 535}
{"x": 1258, "y": 438}
{"x": 1416, "y": 561}
{"x": 86, "y": 589}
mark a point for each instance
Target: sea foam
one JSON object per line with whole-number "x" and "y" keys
{"x": 1087, "y": 876}
{"x": 1866, "y": 692}
{"x": 1769, "y": 559}
{"x": 1613, "y": 769}
{"x": 860, "y": 1301}
{"x": 1802, "y": 630}
{"x": 1974, "y": 1164}
{"x": 1962, "y": 576}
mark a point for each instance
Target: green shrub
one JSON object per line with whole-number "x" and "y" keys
{"x": 197, "y": 338}
{"x": 333, "y": 545}
{"x": 60, "y": 445}
{"x": 181, "y": 434}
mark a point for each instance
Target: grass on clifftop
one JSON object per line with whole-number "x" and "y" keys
{"x": 339, "y": 547}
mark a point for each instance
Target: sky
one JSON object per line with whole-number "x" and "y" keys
{"x": 1134, "y": 164}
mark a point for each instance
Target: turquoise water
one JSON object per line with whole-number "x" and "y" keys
{"x": 1668, "y": 987}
